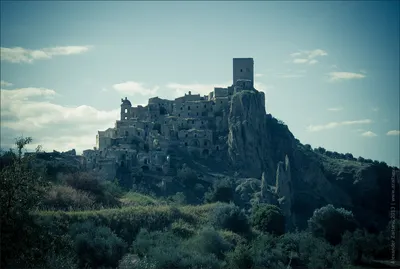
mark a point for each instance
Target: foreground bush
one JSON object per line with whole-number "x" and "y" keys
{"x": 97, "y": 246}
{"x": 229, "y": 217}
{"x": 164, "y": 250}
{"x": 330, "y": 223}
{"x": 104, "y": 192}
{"x": 209, "y": 241}
{"x": 268, "y": 218}
{"x": 67, "y": 198}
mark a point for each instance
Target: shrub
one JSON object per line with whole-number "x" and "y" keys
{"x": 209, "y": 241}
{"x": 268, "y": 218}
{"x": 22, "y": 189}
{"x": 230, "y": 217}
{"x": 182, "y": 229}
{"x": 240, "y": 258}
{"x": 67, "y": 198}
{"x": 97, "y": 246}
{"x": 104, "y": 192}
{"x": 187, "y": 176}
{"x": 222, "y": 191}
{"x": 330, "y": 223}
{"x": 311, "y": 252}
{"x": 131, "y": 261}
{"x": 166, "y": 251}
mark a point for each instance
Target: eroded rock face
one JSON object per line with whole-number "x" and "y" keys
{"x": 284, "y": 189}
{"x": 246, "y": 132}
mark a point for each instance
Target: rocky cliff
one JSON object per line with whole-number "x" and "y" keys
{"x": 304, "y": 179}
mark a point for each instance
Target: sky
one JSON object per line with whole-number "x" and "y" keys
{"x": 329, "y": 70}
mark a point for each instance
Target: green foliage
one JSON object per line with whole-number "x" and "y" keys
{"x": 229, "y": 217}
{"x": 67, "y": 198}
{"x": 131, "y": 261}
{"x": 222, "y": 191}
{"x": 21, "y": 191}
{"x": 104, "y": 192}
{"x": 97, "y": 246}
{"x": 182, "y": 229}
{"x": 179, "y": 198}
{"x": 302, "y": 249}
{"x": 240, "y": 258}
{"x": 330, "y": 223}
{"x": 209, "y": 241}
{"x": 268, "y": 218}
{"x": 187, "y": 176}
{"x": 166, "y": 251}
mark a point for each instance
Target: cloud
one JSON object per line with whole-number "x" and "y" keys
{"x": 331, "y": 125}
{"x": 32, "y": 112}
{"x": 339, "y": 76}
{"x": 22, "y": 55}
{"x": 5, "y": 84}
{"x": 393, "y": 132}
{"x": 369, "y": 134}
{"x": 308, "y": 57}
{"x": 131, "y": 88}
{"x": 335, "y": 109}
{"x": 258, "y": 75}
{"x": 375, "y": 109}
{"x": 300, "y": 61}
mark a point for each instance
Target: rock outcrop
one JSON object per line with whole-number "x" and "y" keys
{"x": 246, "y": 138}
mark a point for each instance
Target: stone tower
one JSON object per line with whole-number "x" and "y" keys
{"x": 243, "y": 69}
{"x": 126, "y": 109}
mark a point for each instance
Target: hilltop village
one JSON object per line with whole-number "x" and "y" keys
{"x": 143, "y": 134}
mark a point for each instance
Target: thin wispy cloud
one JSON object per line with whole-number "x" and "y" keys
{"x": 22, "y": 55}
{"x": 308, "y": 57}
{"x": 393, "y": 132}
{"x": 369, "y": 134}
{"x": 131, "y": 88}
{"x": 332, "y": 125}
{"x": 335, "y": 109}
{"x": 375, "y": 109}
{"x": 341, "y": 76}
{"x": 5, "y": 84}
{"x": 257, "y": 75}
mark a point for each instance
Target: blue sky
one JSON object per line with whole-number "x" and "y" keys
{"x": 330, "y": 70}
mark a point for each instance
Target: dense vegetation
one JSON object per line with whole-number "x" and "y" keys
{"x": 59, "y": 217}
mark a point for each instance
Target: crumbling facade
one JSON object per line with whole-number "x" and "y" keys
{"x": 143, "y": 134}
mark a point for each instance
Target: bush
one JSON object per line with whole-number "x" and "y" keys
{"x": 104, "y": 192}
{"x": 67, "y": 198}
{"x": 331, "y": 223}
{"x": 240, "y": 258}
{"x": 310, "y": 252}
{"x": 268, "y": 218}
{"x": 209, "y": 241}
{"x": 182, "y": 229}
{"x": 222, "y": 191}
{"x": 230, "y": 217}
{"x": 131, "y": 261}
{"x": 165, "y": 250}
{"x": 97, "y": 246}
{"x": 187, "y": 176}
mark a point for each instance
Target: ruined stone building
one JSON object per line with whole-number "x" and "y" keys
{"x": 143, "y": 134}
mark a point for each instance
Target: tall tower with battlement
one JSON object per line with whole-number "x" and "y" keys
{"x": 243, "y": 68}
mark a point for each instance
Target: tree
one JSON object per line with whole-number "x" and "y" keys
{"x": 268, "y": 218}
{"x": 222, "y": 191}
{"x": 22, "y": 189}
{"x": 331, "y": 223}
